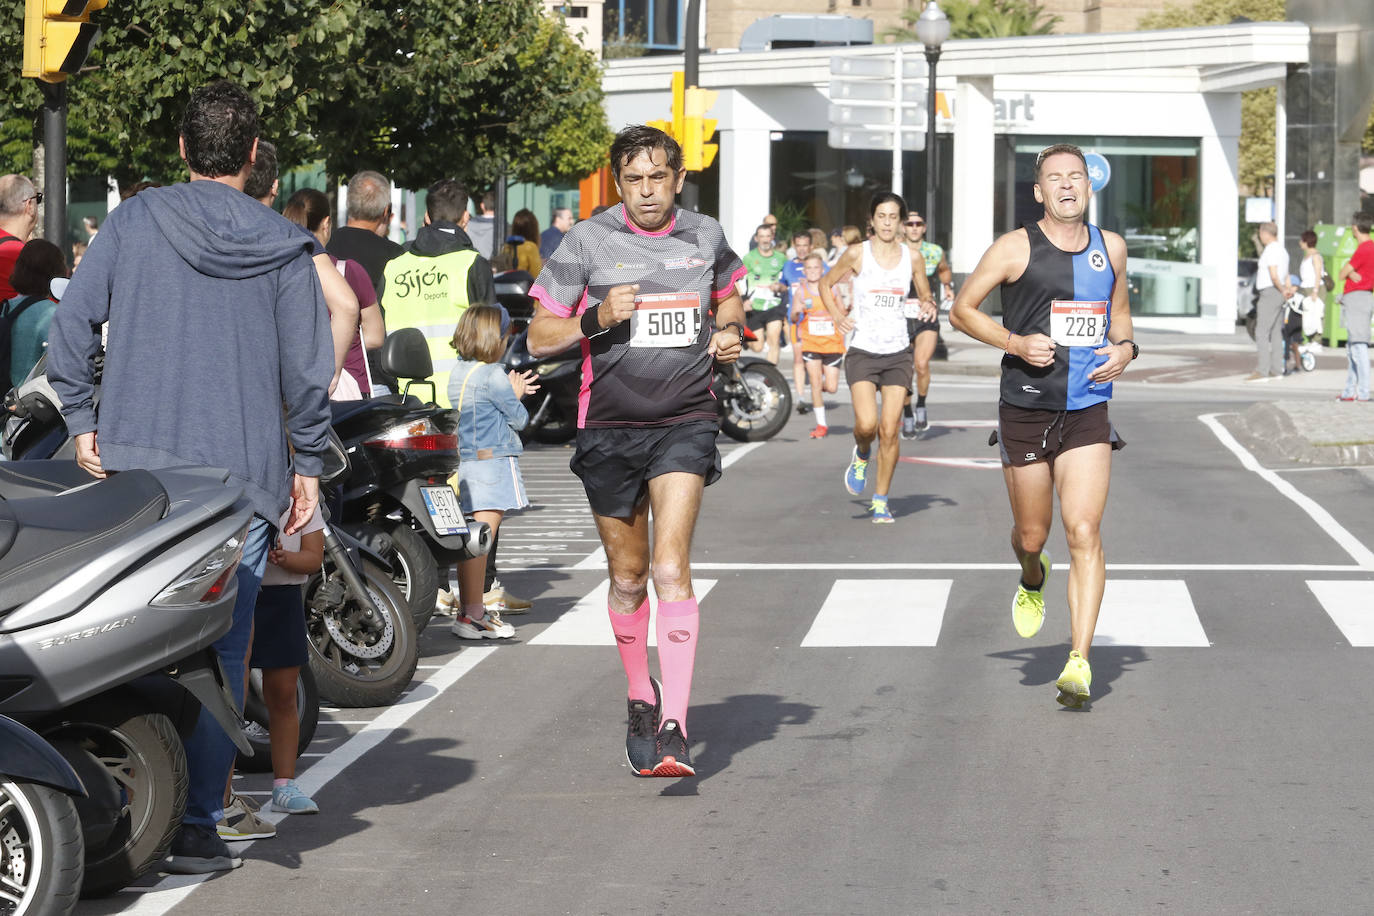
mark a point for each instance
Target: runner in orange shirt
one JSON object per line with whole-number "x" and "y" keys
{"x": 821, "y": 343}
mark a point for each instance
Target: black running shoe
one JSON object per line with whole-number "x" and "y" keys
{"x": 641, "y": 736}
{"x": 673, "y": 757}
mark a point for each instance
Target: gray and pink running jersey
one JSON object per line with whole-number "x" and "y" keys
{"x": 653, "y": 370}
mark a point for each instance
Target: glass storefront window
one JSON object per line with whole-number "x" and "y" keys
{"x": 1151, "y": 200}
{"x": 828, "y": 187}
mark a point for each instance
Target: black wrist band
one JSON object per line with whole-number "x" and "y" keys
{"x": 591, "y": 324}
{"x": 739, "y": 328}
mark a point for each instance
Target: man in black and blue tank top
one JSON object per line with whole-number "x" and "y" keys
{"x": 647, "y": 290}
{"x": 1066, "y": 328}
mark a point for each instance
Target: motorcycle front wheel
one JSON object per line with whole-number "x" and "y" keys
{"x": 41, "y": 854}
{"x": 360, "y": 656}
{"x": 757, "y": 404}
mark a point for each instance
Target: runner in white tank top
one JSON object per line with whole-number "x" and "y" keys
{"x": 879, "y": 301}
{"x": 879, "y": 358}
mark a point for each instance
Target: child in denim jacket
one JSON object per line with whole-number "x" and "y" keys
{"x": 490, "y": 415}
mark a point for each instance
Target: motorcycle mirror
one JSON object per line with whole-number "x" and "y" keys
{"x": 335, "y": 460}
{"x": 405, "y": 354}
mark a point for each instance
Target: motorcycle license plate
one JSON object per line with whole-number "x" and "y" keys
{"x": 442, "y": 504}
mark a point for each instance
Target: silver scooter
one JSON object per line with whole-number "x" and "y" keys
{"x": 111, "y": 595}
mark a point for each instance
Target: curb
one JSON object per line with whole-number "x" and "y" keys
{"x": 1270, "y": 432}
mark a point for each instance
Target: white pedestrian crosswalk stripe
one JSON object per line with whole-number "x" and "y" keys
{"x": 587, "y": 624}
{"x": 1148, "y": 612}
{"x": 1350, "y": 605}
{"x": 881, "y": 612}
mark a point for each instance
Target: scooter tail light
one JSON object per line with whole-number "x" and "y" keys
{"x": 418, "y": 435}
{"x": 208, "y": 578}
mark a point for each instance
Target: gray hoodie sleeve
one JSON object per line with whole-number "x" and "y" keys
{"x": 74, "y": 335}
{"x": 306, "y": 354}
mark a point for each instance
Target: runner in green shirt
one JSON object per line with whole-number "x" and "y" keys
{"x": 765, "y": 308}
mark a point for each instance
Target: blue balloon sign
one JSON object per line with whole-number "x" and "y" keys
{"x": 1099, "y": 170}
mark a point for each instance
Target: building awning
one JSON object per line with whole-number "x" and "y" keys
{"x": 1221, "y": 58}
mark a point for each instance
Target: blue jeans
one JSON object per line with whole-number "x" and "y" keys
{"x": 1356, "y": 371}
{"x": 209, "y": 752}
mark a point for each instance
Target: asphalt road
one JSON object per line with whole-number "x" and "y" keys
{"x": 870, "y": 734}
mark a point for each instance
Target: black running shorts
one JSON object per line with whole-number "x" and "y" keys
{"x": 882, "y": 369}
{"x": 1028, "y": 435}
{"x": 828, "y": 360}
{"x": 616, "y": 463}
{"x": 757, "y": 321}
{"x": 915, "y": 327}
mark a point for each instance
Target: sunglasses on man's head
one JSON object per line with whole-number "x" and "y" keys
{"x": 37, "y": 197}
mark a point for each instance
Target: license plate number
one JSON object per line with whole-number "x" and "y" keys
{"x": 442, "y": 504}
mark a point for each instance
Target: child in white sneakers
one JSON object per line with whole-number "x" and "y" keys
{"x": 490, "y": 416}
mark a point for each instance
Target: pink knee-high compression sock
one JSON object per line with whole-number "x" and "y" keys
{"x": 632, "y": 639}
{"x": 678, "y": 622}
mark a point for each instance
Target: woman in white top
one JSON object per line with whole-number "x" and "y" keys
{"x": 879, "y": 356}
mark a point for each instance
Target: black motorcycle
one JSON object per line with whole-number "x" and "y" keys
{"x": 752, "y": 395}
{"x": 396, "y": 496}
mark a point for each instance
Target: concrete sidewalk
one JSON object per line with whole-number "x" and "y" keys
{"x": 1295, "y": 418}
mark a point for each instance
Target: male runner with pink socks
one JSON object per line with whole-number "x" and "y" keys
{"x": 636, "y": 285}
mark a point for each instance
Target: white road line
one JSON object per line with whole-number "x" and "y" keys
{"x": 586, "y": 623}
{"x": 1350, "y": 605}
{"x": 594, "y": 560}
{"x": 894, "y": 612}
{"x": 173, "y": 889}
{"x": 1351, "y": 544}
{"x": 1148, "y": 612}
{"x": 734, "y": 455}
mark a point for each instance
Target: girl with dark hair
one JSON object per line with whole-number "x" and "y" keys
{"x": 309, "y": 209}
{"x": 30, "y": 312}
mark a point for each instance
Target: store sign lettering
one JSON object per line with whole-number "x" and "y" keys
{"x": 1015, "y": 109}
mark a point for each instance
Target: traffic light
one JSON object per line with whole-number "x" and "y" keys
{"x": 697, "y": 154}
{"x": 58, "y": 35}
{"x": 674, "y": 128}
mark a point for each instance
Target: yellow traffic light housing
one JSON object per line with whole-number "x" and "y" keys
{"x": 58, "y": 35}
{"x": 689, "y": 126}
{"x": 697, "y": 153}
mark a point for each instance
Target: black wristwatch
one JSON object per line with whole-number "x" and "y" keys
{"x": 739, "y": 328}
{"x": 1135, "y": 348}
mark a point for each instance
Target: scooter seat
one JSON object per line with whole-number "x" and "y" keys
{"x": 45, "y": 539}
{"x": 27, "y": 479}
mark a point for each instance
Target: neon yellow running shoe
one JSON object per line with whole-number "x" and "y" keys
{"x": 1028, "y": 607}
{"x": 1074, "y": 682}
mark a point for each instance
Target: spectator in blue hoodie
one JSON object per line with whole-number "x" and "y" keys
{"x": 216, "y": 319}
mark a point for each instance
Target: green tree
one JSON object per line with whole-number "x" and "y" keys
{"x": 1256, "y": 106}
{"x": 983, "y": 19}
{"x": 419, "y": 90}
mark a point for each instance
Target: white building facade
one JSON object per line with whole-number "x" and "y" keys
{"x": 1163, "y": 108}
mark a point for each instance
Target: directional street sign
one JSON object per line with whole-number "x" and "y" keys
{"x": 856, "y": 115}
{"x": 874, "y": 138}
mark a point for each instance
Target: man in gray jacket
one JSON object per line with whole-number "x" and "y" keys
{"x": 216, "y": 319}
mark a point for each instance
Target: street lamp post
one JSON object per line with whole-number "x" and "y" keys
{"x": 932, "y": 28}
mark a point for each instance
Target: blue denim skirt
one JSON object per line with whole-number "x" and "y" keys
{"x": 492, "y": 484}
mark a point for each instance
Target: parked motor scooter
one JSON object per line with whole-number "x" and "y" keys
{"x": 112, "y": 593}
{"x": 753, "y": 396}
{"x": 41, "y": 854}
{"x": 396, "y": 495}
{"x": 361, "y": 653}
